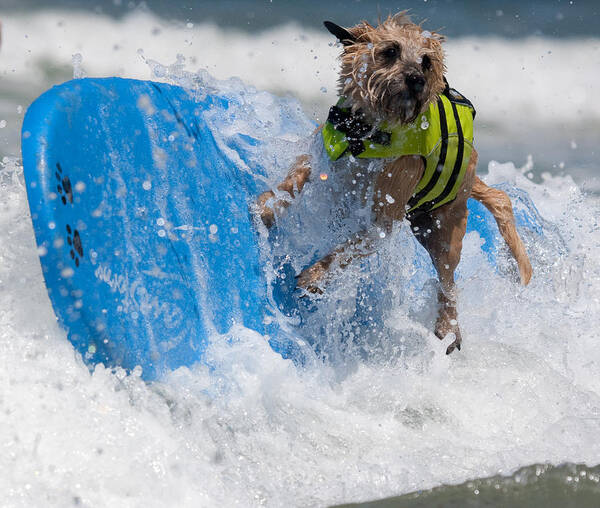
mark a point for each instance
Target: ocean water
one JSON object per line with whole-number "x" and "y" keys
{"x": 535, "y": 95}
{"x": 399, "y": 417}
{"x": 538, "y": 486}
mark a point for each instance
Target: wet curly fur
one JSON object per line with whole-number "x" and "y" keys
{"x": 375, "y": 67}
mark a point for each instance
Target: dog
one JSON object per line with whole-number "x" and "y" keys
{"x": 396, "y": 107}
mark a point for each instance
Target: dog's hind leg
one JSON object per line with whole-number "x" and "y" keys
{"x": 498, "y": 203}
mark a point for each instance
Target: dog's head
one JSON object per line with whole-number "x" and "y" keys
{"x": 392, "y": 71}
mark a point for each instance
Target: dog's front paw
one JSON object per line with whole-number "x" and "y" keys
{"x": 311, "y": 278}
{"x": 267, "y": 215}
{"x": 445, "y": 325}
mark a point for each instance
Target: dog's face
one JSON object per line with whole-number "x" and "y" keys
{"x": 392, "y": 71}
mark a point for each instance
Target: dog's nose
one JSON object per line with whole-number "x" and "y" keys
{"x": 415, "y": 83}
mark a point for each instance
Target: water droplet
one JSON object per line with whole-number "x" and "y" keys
{"x": 66, "y": 273}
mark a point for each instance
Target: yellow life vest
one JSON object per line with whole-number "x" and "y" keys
{"x": 442, "y": 135}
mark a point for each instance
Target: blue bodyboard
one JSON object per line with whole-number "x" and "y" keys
{"x": 145, "y": 238}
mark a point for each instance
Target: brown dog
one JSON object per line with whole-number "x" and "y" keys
{"x": 392, "y": 87}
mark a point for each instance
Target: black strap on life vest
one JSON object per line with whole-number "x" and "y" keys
{"x": 456, "y": 97}
{"x": 356, "y": 130}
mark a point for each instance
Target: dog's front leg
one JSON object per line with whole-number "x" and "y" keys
{"x": 393, "y": 187}
{"x": 360, "y": 245}
{"x": 292, "y": 185}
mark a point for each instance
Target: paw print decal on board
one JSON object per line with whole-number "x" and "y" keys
{"x": 76, "y": 248}
{"x": 64, "y": 187}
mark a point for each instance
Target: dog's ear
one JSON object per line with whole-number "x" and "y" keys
{"x": 344, "y": 36}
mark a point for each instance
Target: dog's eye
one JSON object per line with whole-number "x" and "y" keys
{"x": 426, "y": 63}
{"x": 390, "y": 53}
